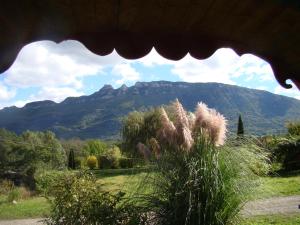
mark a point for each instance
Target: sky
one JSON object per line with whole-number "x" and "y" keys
{"x": 45, "y": 70}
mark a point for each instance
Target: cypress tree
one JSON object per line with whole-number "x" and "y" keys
{"x": 71, "y": 161}
{"x": 240, "y": 128}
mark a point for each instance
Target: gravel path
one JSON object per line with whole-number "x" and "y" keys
{"x": 21, "y": 222}
{"x": 276, "y": 205}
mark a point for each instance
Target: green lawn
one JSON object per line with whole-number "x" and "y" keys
{"x": 292, "y": 219}
{"x": 30, "y": 208}
{"x": 128, "y": 180}
{"x": 278, "y": 186}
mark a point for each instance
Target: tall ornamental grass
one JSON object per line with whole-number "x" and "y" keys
{"x": 199, "y": 179}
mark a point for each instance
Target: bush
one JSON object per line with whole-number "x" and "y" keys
{"x": 111, "y": 159}
{"x": 126, "y": 163}
{"x": 24, "y": 192}
{"x": 92, "y": 162}
{"x": 285, "y": 151}
{"x": 104, "y": 162}
{"x": 46, "y": 179}
{"x": 6, "y": 186}
{"x": 77, "y": 200}
{"x": 294, "y": 128}
{"x": 14, "y": 195}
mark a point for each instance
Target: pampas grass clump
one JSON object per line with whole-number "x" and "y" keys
{"x": 187, "y": 126}
{"x": 198, "y": 180}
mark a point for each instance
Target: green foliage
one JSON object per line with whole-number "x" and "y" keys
{"x": 104, "y": 162}
{"x": 197, "y": 182}
{"x": 78, "y": 162}
{"x": 240, "y": 128}
{"x": 14, "y": 195}
{"x": 6, "y": 186}
{"x": 46, "y": 179}
{"x": 126, "y": 163}
{"x": 254, "y": 155}
{"x": 92, "y": 162}
{"x": 71, "y": 160}
{"x": 207, "y": 186}
{"x": 285, "y": 150}
{"x": 46, "y": 149}
{"x": 30, "y": 151}
{"x": 294, "y": 128}
{"x": 139, "y": 127}
{"x": 95, "y": 147}
{"x": 111, "y": 159}
{"x": 77, "y": 200}
{"x": 75, "y": 144}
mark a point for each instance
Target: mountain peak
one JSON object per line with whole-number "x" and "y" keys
{"x": 107, "y": 87}
{"x": 40, "y": 104}
{"x": 123, "y": 87}
{"x": 98, "y": 115}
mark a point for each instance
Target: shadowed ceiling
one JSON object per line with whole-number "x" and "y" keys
{"x": 269, "y": 29}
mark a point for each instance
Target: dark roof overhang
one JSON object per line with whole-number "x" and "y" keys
{"x": 269, "y": 29}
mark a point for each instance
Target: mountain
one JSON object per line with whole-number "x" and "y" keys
{"x": 98, "y": 115}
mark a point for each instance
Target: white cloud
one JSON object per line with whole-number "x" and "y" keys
{"x": 6, "y": 93}
{"x": 215, "y": 69}
{"x": 44, "y": 64}
{"x": 293, "y": 92}
{"x": 56, "y": 70}
{"x": 126, "y": 73}
{"x": 223, "y": 66}
{"x": 56, "y": 94}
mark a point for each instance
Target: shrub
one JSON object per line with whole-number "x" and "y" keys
{"x": 285, "y": 151}
{"x": 92, "y": 162}
{"x": 294, "y": 128}
{"x": 77, "y": 200}
{"x": 46, "y": 179}
{"x": 6, "y": 186}
{"x": 111, "y": 159}
{"x": 24, "y": 192}
{"x": 104, "y": 162}
{"x": 14, "y": 195}
{"x": 126, "y": 163}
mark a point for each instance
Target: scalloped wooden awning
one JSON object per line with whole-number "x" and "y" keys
{"x": 269, "y": 29}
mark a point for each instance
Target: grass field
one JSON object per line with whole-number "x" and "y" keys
{"x": 292, "y": 219}
{"x": 34, "y": 207}
{"x": 278, "y": 186}
{"x": 128, "y": 181}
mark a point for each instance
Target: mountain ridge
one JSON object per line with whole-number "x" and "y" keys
{"x": 98, "y": 115}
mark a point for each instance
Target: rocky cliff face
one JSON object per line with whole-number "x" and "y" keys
{"x": 99, "y": 115}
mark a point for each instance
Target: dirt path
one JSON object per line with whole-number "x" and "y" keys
{"x": 276, "y": 205}
{"x": 21, "y": 222}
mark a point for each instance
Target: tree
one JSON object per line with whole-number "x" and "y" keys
{"x": 71, "y": 160}
{"x": 139, "y": 127}
{"x": 95, "y": 147}
{"x": 240, "y": 128}
{"x": 294, "y": 128}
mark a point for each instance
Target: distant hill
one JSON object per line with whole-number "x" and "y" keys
{"x": 98, "y": 115}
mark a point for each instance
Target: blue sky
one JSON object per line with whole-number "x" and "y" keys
{"x": 46, "y": 70}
